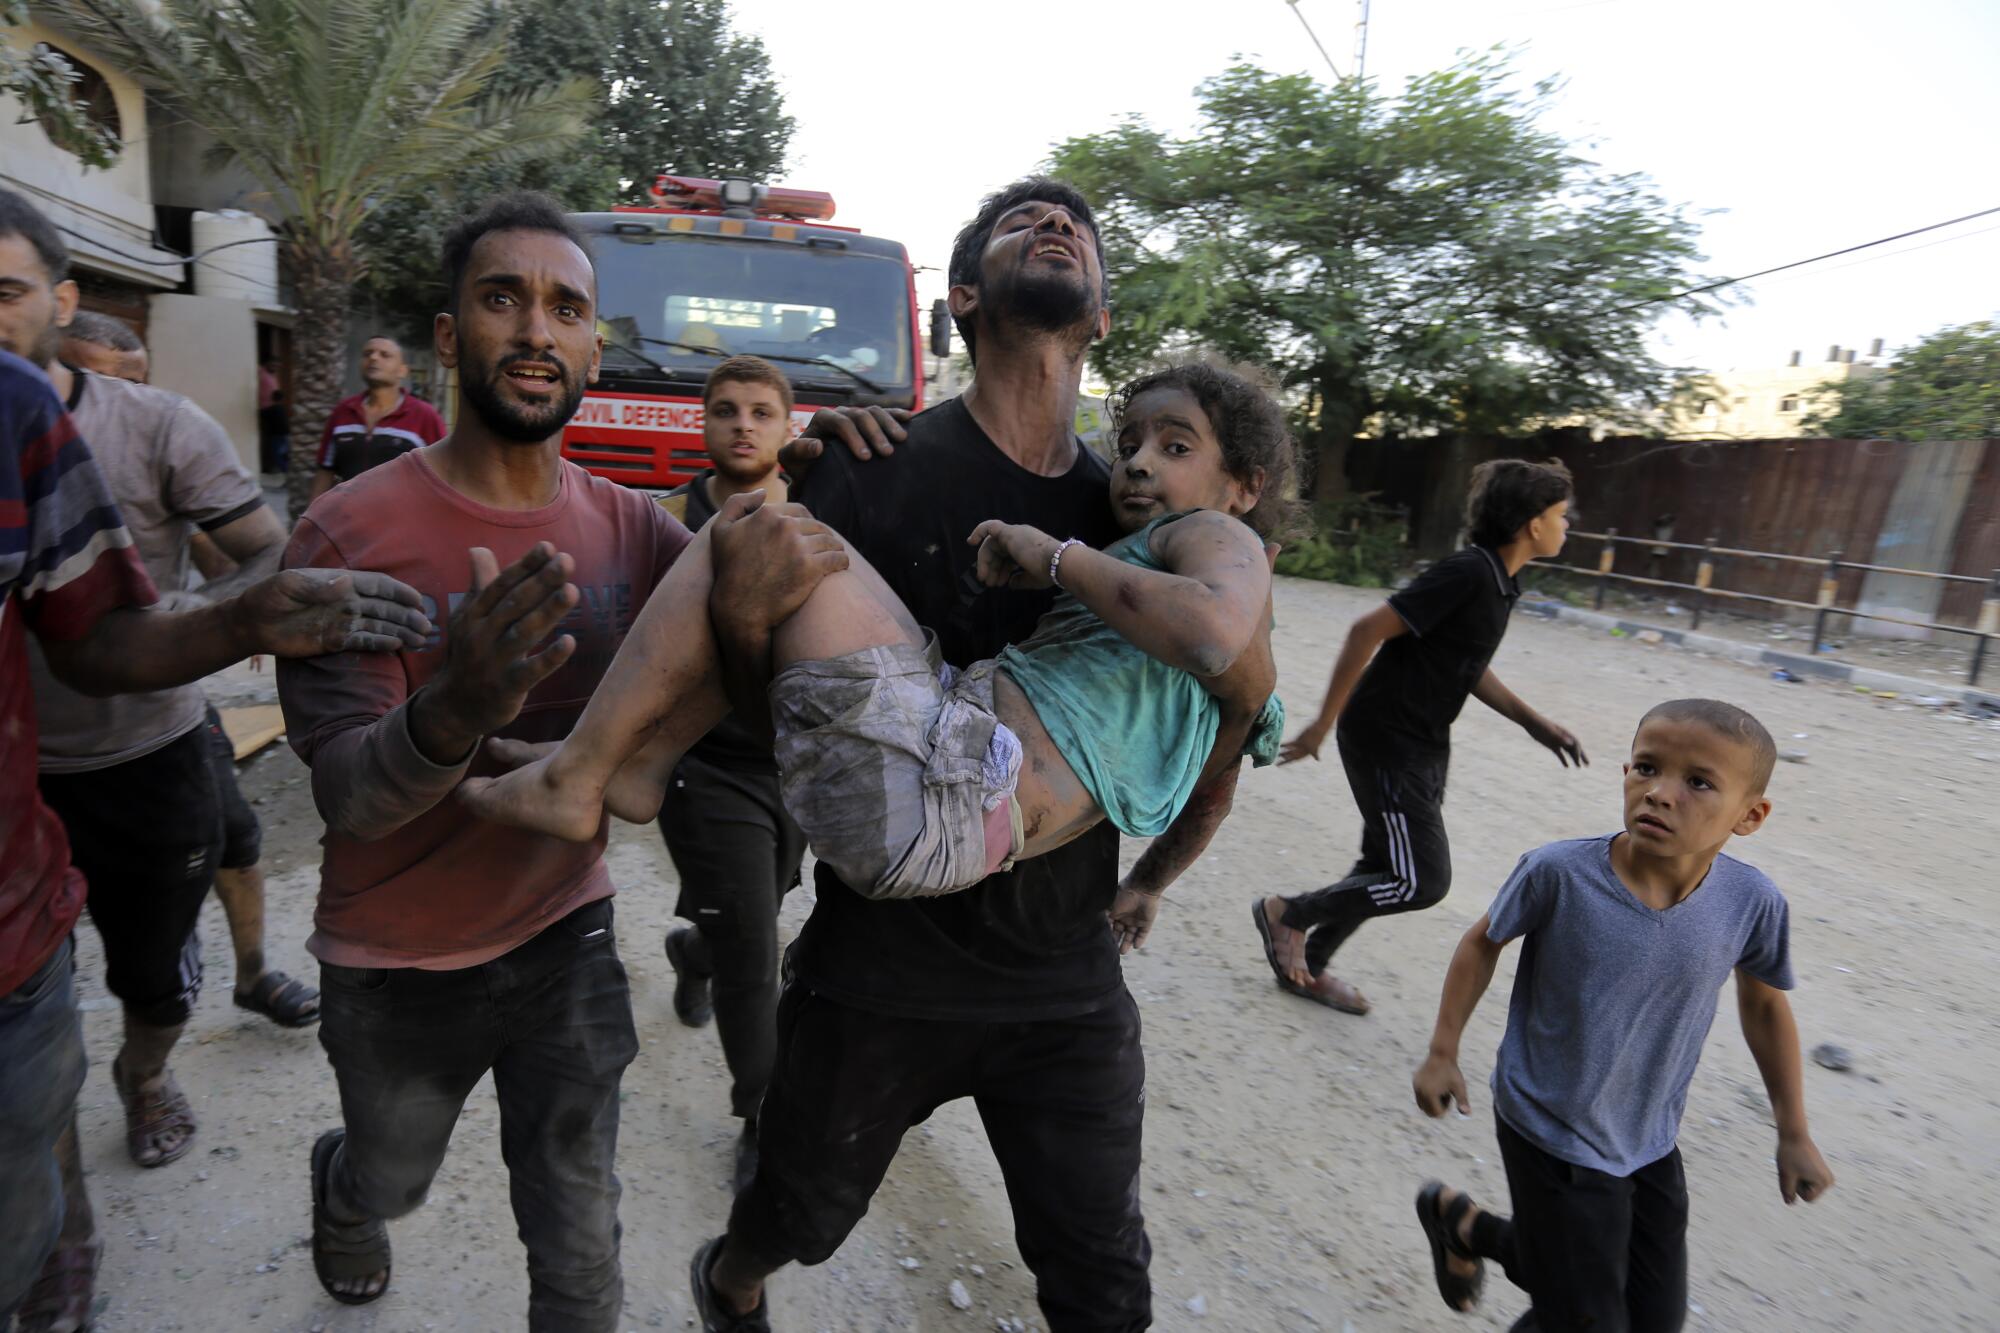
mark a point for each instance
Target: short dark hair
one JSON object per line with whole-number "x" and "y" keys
{"x": 516, "y": 210}
{"x": 20, "y": 218}
{"x": 747, "y": 370}
{"x": 87, "y": 326}
{"x": 1242, "y": 410}
{"x": 1729, "y": 722}
{"x": 970, "y": 246}
{"x": 1507, "y": 492}
{"x": 384, "y": 338}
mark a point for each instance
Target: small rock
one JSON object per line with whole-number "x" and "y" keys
{"x": 1829, "y": 1056}
{"x": 1198, "y": 1304}
{"x": 911, "y": 1262}
{"x": 979, "y": 1270}
{"x": 1793, "y": 756}
{"x": 960, "y": 1298}
{"x": 1650, "y": 636}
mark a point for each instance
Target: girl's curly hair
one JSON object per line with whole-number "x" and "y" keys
{"x": 1243, "y": 412}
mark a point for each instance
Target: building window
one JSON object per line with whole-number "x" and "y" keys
{"x": 92, "y": 94}
{"x": 1789, "y": 403}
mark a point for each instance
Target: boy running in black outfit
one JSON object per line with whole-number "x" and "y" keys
{"x": 1628, "y": 941}
{"x": 1394, "y": 709}
{"x": 735, "y": 848}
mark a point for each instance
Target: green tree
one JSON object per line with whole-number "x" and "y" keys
{"x": 1947, "y": 387}
{"x": 676, "y": 90}
{"x": 45, "y": 84}
{"x": 1429, "y": 261}
{"x": 332, "y": 106}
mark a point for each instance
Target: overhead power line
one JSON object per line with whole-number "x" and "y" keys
{"x": 1798, "y": 263}
{"x": 1315, "y": 38}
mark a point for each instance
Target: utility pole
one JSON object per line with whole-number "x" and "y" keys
{"x": 1361, "y": 41}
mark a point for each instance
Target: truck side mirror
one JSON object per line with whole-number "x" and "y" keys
{"x": 940, "y": 329}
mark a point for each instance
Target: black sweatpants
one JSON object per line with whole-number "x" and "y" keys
{"x": 1405, "y": 863}
{"x": 1062, "y": 1100}
{"x": 1595, "y": 1252}
{"x": 147, "y": 835}
{"x": 737, "y": 853}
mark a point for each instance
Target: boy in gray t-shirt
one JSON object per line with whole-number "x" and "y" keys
{"x": 1628, "y": 940}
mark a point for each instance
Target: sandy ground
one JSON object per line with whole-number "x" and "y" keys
{"x": 1283, "y": 1149}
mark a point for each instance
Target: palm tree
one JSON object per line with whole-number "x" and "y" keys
{"x": 334, "y": 107}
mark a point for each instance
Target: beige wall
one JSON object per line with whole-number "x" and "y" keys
{"x": 1760, "y": 403}
{"x": 206, "y": 348}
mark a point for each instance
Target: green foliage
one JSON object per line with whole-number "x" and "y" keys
{"x": 1352, "y": 542}
{"x": 333, "y": 106}
{"x": 44, "y": 83}
{"x": 1431, "y": 260}
{"x": 1947, "y": 387}
{"x": 672, "y": 89}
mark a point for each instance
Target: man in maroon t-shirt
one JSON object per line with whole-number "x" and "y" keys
{"x": 451, "y": 947}
{"x": 380, "y": 423}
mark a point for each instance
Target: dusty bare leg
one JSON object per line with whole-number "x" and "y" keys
{"x": 663, "y": 691}
{"x": 662, "y": 694}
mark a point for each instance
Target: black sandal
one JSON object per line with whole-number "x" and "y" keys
{"x": 1441, "y": 1228}
{"x": 342, "y": 1253}
{"x": 284, "y": 1000}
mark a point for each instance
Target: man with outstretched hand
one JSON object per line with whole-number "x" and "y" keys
{"x": 451, "y": 947}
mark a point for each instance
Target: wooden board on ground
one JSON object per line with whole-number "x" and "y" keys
{"x": 252, "y": 728}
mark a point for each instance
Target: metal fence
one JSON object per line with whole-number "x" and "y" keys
{"x": 1705, "y": 595}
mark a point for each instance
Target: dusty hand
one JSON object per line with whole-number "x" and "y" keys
{"x": 1305, "y": 745}
{"x": 307, "y": 612}
{"x": 866, "y": 431}
{"x": 1802, "y": 1172}
{"x": 1132, "y": 913}
{"x": 490, "y": 664}
{"x": 1013, "y": 555}
{"x": 768, "y": 559}
{"x": 1438, "y": 1083}
{"x": 1558, "y": 739}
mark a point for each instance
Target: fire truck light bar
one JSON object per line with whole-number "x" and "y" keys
{"x": 700, "y": 193}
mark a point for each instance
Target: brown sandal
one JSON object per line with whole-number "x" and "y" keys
{"x": 63, "y": 1293}
{"x": 149, "y": 1114}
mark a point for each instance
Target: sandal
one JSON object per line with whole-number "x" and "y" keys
{"x": 148, "y": 1115}
{"x": 1330, "y": 991}
{"x": 61, "y": 1298}
{"x": 1263, "y": 924}
{"x": 1440, "y": 1226}
{"x": 343, "y": 1253}
{"x": 284, "y": 1000}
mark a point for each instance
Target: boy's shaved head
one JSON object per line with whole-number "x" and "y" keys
{"x": 1729, "y": 722}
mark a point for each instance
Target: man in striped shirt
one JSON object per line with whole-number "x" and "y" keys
{"x": 379, "y": 423}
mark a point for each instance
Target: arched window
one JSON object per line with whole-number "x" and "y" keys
{"x": 93, "y": 96}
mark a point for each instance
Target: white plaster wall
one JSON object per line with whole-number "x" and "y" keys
{"x": 206, "y": 347}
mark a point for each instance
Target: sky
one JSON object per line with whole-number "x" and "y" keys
{"x": 1793, "y": 127}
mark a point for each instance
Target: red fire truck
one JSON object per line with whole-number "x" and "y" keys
{"x": 720, "y": 268}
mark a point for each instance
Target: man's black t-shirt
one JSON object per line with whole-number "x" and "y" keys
{"x": 1030, "y": 943}
{"x": 1412, "y": 692}
{"x": 729, "y": 744}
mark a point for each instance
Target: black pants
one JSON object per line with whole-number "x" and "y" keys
{"x": 1595, "y": 1252}
{"x": 242, "y": 835}
{"x": 737, "y": 853}
{"x": 1062, "y": 1101}
{"x": 147, "y": 835}
{"x": 1405, "y": 863}
{"x": 552, "y": 1020}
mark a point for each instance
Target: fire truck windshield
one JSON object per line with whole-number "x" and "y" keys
{"x": 837, "y": 322}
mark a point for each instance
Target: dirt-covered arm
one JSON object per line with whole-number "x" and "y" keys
{"x": 1197, "y": 613}
{"x": 1169, "y": 856}
{"x": 1438, "y": 1081}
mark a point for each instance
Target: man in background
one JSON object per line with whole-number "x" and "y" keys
{"x": 106, "y": 346}
{"x": 379, "y": 423}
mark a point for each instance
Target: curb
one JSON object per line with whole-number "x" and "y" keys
{"x": 1750, "y": 654}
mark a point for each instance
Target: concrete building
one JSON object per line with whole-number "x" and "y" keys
{"x": 143, "y": 237}
{"x": 1764, "y": 403}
